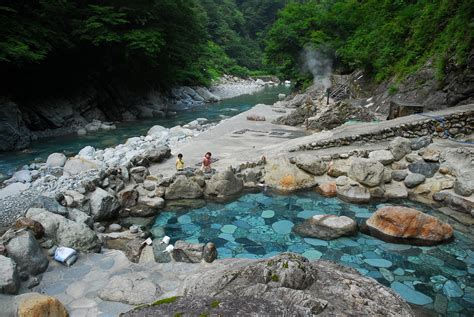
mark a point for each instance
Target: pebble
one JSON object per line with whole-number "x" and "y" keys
{"x": 115, "y": 227}
{"x": 133, "y": 229}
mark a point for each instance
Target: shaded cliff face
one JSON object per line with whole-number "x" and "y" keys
{"x": 423, "y": 88}
{"x": 23, "y": 120}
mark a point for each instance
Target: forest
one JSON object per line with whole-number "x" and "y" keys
{"x": 61, "y": 44}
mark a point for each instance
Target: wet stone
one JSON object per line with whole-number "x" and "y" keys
{"x": 268, "y": 214}
{"x": 378, "y": 263}
{"x": 283, "y": 226}
{"x": 451, "y": 289}
{"x": 440, "y": 304}
{"x": 410, "y": 295}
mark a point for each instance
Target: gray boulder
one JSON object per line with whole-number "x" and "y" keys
{"x": 131, "y": 288}
{"x": 223, "y": 185}
{"x": 209, "y": 254}
{"x": 413, "y": 180}
{"x": 103, "y": 204}
{"x": 285, "y": 285}
{"x": 464, "y": 184}
{"x": 311, "y": 164}
{"x": 193, "y": 252}
{"x": 421, "y": 142}
{"x": 368, "y": 172}
{"x": 161, "y": 256}
{"x": 23, "y": 176}
{"x": 56, "y": 160}
{"x": 74, "y": 166}
{"x": 399, "y": 175}
{"x": 399, "y": 147}
{"x": 184, "y": 188}
{"x": 128, "y": 196}
{"x": 383, "y": 156}
{"x": 152, "y": 202}
{"x": 395, "y": 190}
{"x": 428, "y": 169}
{"x": 65, "y": 232}
{"x": 326, "y": 227}
{"x": 9, "y": 278}
{"x": 353, "y": 193}
{"x": 27, "y": 254}
{"x": 139, "y": 173}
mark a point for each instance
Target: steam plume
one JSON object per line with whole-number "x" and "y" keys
{"x": 319, "y": 64}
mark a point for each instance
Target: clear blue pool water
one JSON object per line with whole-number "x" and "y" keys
{"x": 438, "y": 278}
{"x": 71, "y": 144}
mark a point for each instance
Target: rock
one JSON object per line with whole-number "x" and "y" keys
{"x": 338, "y": 168}
{"x": 151, "y": 155}
{"x": 431, "y": 155}
{"x": 131, "y": 288}
{"x": 454, "y": 202}
{"x": 35, "y": 227}
{"x": 421, "y": 142}
{"x": 395, "y": 190}
{"x": 157, "y": 131}
{"x": 131, "y": 244}
{"x": 399, "y": 147}
{"x": 9, "y": 278}
{"x": 184, "y": 188}
{"x": 326, "y": 227}
{"x": 413, "y": 157}
{"x": 81, "y": 132}
{"x": 87, "y": 152}
{"x": 328, "y": 189}
{"x": 76, "y": 166}
{"x": 464, "y": 184}
{"x": 76, "y": 199}
{"x": 406, "y": 225}
{"x": 399, "y": 175}
{"x": 281, "y": 96}
{"x": 154, "y": 202}
{"x": 115, "y": 227}
{"x": 103, "y": 205}
{"x": 366, "y": 171}
{"x": 285, "y": 285}
{"x": 32, "y": 305}
{"x": 27, "y": 254}
{"x": 428, "y": 169}
{"x": 387, "y": 175}
{"x": 13, "y": 189}
{"x": 159, "y": 251}
{"x": 65, "y": 232}
{"x": 209, "y": 253}
{"x": 139, "y": 173}
{"x": 14, "y": 134}
{"x": 311, "y": 164}
{"x": 223, "y": 185}
{"x": 353, "y": 194}
{"x": 128, "y": 196}
{"x": 255, "y": 117}
{"x": 134, "y": 228}
{"x": 383, "y": 156}
{"x": 413, "y": 180}
{"x": 23, "y": 176}
{"x": 189, "y": 252}
{"x": 79, "y": 216}
{"x": 149, "y": 185}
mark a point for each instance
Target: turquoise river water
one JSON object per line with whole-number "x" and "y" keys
{"x": 71, "y": 144}
{"x": 439, "y": 278}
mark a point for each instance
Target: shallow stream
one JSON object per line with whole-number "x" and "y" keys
{"x": 438, "y": 278}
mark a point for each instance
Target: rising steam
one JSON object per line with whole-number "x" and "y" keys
{"x": 319, "y": 64}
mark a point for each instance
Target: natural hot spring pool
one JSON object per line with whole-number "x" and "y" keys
{"x": 439, "y": 278}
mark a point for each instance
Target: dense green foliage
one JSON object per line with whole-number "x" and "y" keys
{"x": 61, "y": 43}
{"x": 386, "y": 38}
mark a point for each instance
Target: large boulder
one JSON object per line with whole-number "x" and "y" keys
{"x": 366, "y": 171}
{"x": 406, "y": 225}
{"x": 9, "y": 278}
{"x": 65, "y": 232}
{"x": 326, "y": 227}
{"x": 76, "y": 166}
{"x": 152, "y": 202}
{"x": 193, "y": 252}
{"x": 27, "y": 254}
{"x": 183, "y": 188}
{"x": 399, "y": 147}
{"x": 131, "y": 288}
{"x": 128, "y": 196}
{"x": 338, "y": 168}
{"x": 223, "y": 185}
{"x": 464, "y": 184}
{"x": 353, "y": 193}
{"x": 383, "y": 156}
{"x": 311, "y": 164}
{"x": 428, "y": 169}
{"x": 103, "y": 204}
{"x": 56, "y": 160}
{"x": 285, "y": 285}
{"x": 31, "y": 305}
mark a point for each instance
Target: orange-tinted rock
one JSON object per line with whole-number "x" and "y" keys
{"x": 38, "y": 305}
{"x": 288, "y": 181}
{"x": 327, "y": 189}
{"x": 407, "y": 225}
{"x": 34, "y": 226}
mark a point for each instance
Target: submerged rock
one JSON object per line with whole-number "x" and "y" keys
{"x": 326, "y": 227}
{"x": 407, "y": 225}
{"x": 285, "y": 285}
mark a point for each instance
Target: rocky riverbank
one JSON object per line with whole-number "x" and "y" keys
{"x": 106, "y": 197}
{"x": 23, "y": 121}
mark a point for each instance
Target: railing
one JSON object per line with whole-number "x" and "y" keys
{"x": 343, "y": 90}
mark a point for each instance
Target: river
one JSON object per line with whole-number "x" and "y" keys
{"x": 71, "y": 144}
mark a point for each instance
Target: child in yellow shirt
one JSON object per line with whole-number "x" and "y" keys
{"x": 180, "y": 162}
